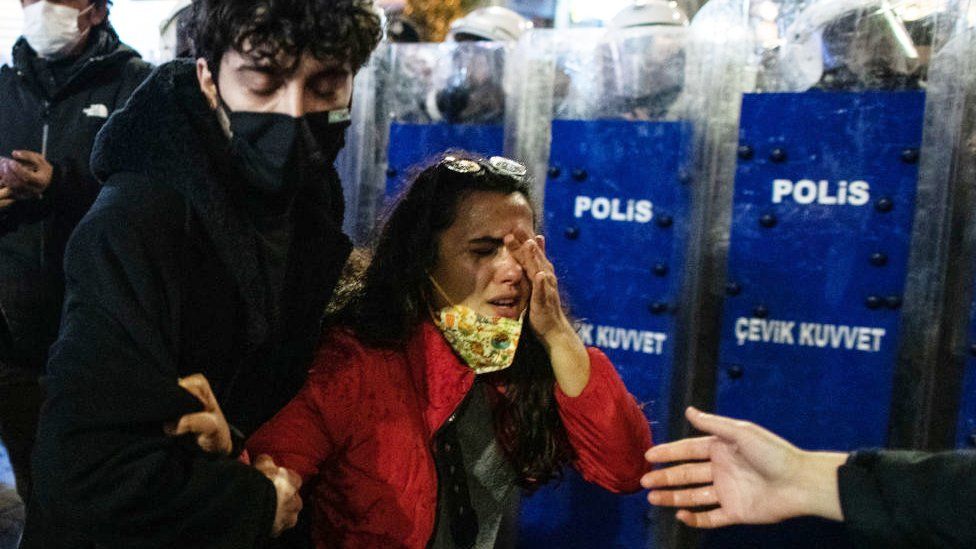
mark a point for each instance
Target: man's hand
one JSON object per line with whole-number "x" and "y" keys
{"x": 754, "y": 476}
{"x": 210, "y": 427}
{"x": 32, "y": 175}
{"x": 286, "y": 483}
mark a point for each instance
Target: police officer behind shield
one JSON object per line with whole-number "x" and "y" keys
{"x": 849, "y": 45}
{"x": 69, "y": 73}
{"x": 473, "y": 93}
{"x": 644, "y": 60}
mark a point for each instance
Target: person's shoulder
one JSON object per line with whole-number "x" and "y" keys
{"x": 8, "y": 79}
{"x": 343, "y": 343}
{"x": 137, "y": 68}
{"x": 342, "y": 353}
{"x": 131, "y": 68}
{"x": 141, "y": 195}
{"x": 132, "y": 206}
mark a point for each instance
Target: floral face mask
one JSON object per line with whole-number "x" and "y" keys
{"x": 486, "y": 344}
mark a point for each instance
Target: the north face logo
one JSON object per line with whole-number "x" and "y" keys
{"x": 96, "y": 111}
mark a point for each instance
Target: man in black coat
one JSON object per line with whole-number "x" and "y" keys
{"x": 212, "y": 249}
{"x": 61, "y": 89}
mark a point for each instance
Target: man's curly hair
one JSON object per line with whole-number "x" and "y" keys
{"x": 342, "y": 31}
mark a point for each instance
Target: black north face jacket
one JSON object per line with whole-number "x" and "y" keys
{"x": 57, "y": 111}
{"x": 163, "y": 280}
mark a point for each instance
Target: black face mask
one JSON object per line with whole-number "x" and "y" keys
{"x": 280, "y": 153}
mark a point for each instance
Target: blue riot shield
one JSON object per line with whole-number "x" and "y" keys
{"x": 834, "y": 279}
{"x": 615, "y": 161}
{"x": 414, "y": 144}
{"x": 821, "y": 229}
{"x": 615, "y": 220}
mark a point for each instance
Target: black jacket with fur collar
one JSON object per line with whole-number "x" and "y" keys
{"x": 163, "y": 281}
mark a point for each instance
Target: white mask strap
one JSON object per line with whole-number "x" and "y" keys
{"x": 440, "y": 290}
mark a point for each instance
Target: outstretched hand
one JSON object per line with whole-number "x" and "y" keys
{"x": 752, "y": 475}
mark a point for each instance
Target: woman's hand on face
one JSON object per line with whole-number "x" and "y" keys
{"x": 570, "y": 362}
{"x": 545, "y": 312}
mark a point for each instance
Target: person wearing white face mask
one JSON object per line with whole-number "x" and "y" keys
{"x": 56, "y": 30}
{"x": 69, "y": 72}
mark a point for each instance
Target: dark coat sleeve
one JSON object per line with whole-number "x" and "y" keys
{"x": 103, "y": 466}
{"x": 910, "y": 499}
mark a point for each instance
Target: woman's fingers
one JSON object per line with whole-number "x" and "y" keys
{"x": 521, "y": 236}
{"x": 539, "y": 292}
{"x": 535, "y": 260}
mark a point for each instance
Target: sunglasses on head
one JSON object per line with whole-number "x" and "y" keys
{"x": 496, "y": 164}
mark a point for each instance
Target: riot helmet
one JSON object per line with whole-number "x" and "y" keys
{"x": 645, "y": 58}
{"x": 174, "y": 36}
{"x": 493, "y": 23}
{"x": 649, "y": 13}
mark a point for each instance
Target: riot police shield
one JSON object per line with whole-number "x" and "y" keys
{"x": 417, "y": 100}
{"x": 597, "y": 123}
{"x": 953, "y": 87}
{"x": 828, "y": 117}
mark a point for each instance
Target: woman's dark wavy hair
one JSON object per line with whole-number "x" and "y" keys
{"x": 346, "y": 31}
{"x": 393, "y": 302}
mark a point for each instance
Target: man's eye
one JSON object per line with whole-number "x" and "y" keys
{"x": 483, "y": 252}
{"x": 265, "y": 91}
{"x": 325, "y": 92}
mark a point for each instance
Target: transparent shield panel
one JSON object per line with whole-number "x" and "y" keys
{"x": 593, "y": 74}
{"x": 837, "y": 203}
{"x": 451, "y": 83}
{"x": 833, "y": 45}
{"x": 598, "y": 115}
{"x": 589, "y": 74}
{"x": 800, "y": 100}
{"x": 359, "y": 163}
{"x": 415, "y": 101}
